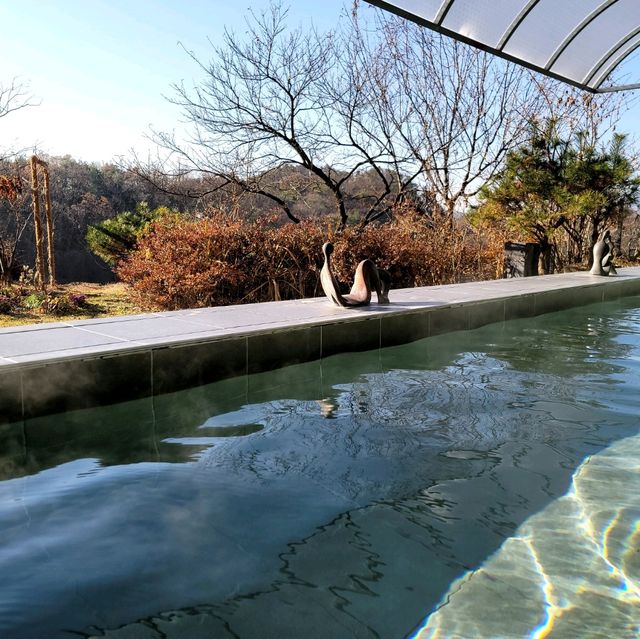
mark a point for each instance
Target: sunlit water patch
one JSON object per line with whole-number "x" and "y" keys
{"x": 437, "y": 488}
{"x": 571, "y": 571}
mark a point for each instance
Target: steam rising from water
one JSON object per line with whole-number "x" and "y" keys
{"x": 344, "y": 498}
{"x": 571, "y": 571}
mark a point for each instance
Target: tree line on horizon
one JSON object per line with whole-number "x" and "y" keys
{"x": 86, "y": 194}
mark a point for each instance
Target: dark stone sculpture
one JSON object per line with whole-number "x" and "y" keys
{"x": 603, "y": 255}
{"x": 368, "y": 278}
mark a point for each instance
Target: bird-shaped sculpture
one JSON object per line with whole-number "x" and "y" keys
{"x": 368, "y": 278}
{"x": 603, "y": 256}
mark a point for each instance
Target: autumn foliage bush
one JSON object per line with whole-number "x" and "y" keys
{"x": 182, "y": 263}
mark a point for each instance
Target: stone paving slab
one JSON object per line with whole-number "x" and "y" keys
{"x": 62, "y": 340}
{"x": 52, "y": 368}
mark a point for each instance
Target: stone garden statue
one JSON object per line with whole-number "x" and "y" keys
{"x": 368, "y": 278}
{"x": 603, "y": 255}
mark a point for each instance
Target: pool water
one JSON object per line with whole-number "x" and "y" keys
{"x": 483, "y": 484}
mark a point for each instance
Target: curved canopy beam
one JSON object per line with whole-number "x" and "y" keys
{"x": 572, "y": 33}
{"x": 577, "y": 31}
{"x": 519, "y": 19}
{"x": 443, "y": 10}
{"x": 611, "y": 66}
{"x": 610, "y": 54}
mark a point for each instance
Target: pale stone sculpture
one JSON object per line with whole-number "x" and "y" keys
{"x": 603, "y": 255}
{"x": 368, "y": 278}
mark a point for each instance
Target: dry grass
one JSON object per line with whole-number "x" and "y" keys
{"x": 102, "y": 300}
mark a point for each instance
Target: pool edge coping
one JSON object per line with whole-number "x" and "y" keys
{"x": 171, "y": 364}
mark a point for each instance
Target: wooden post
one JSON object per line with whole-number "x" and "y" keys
{"x": 50, "y": 233}
{"x": 37, "y": 223}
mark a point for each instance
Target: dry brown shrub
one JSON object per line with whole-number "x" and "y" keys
{"x": 10, "y": 187}
{"x": 488, "y": 244}
{"x": 291, "y": 259}
{"x": 183, "y": 263}
{"x": 180, "y": 263}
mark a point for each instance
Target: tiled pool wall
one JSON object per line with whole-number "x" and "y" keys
{"x": 37, "y": 389}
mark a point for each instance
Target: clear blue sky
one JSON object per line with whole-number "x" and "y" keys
{"x": 100, "y": 68}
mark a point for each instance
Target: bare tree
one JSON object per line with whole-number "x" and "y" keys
{"x": 576, "y": 112}
{"x": 14, "y": 198}
{"x": 13, "y": 96}
{"x": 466, "y": 108}
{"x": 258, "y": 108}
{"x": 431, "y": 118}
{"x": 286, "y": 98}
{"x": 368, "y": 118}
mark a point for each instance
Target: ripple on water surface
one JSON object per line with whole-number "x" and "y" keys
{"x": 485, "y": 482}
{"x": 571, "y": 571}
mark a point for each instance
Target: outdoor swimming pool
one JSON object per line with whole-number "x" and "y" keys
{"x": 477, "y": 484}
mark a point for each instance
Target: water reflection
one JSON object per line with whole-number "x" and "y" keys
{"x": 558, "y": 576}
{"x": 150, "y": 430}
{"x": 328, "y": 408}
{"x": 278, "y": 521}
{"x": 571, "y": 570}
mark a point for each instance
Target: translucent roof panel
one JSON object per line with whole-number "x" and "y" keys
{"x": 578, "y": 41}
{"x": 589, "y": 48}
{"x": 482, "y": 20}
{"x": 547, "y": 24}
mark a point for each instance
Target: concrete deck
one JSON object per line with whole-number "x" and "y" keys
{"x": 51, "y": 368}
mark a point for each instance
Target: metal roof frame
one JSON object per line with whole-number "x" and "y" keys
{"x": 600, "y": 67}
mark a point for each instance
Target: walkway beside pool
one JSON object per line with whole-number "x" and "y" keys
{"x": 50, "y": 368}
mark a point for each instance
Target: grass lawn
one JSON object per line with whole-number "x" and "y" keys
{"x": 102, "y": 300}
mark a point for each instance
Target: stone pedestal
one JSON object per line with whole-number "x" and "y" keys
{"x": 521, "y": 260}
